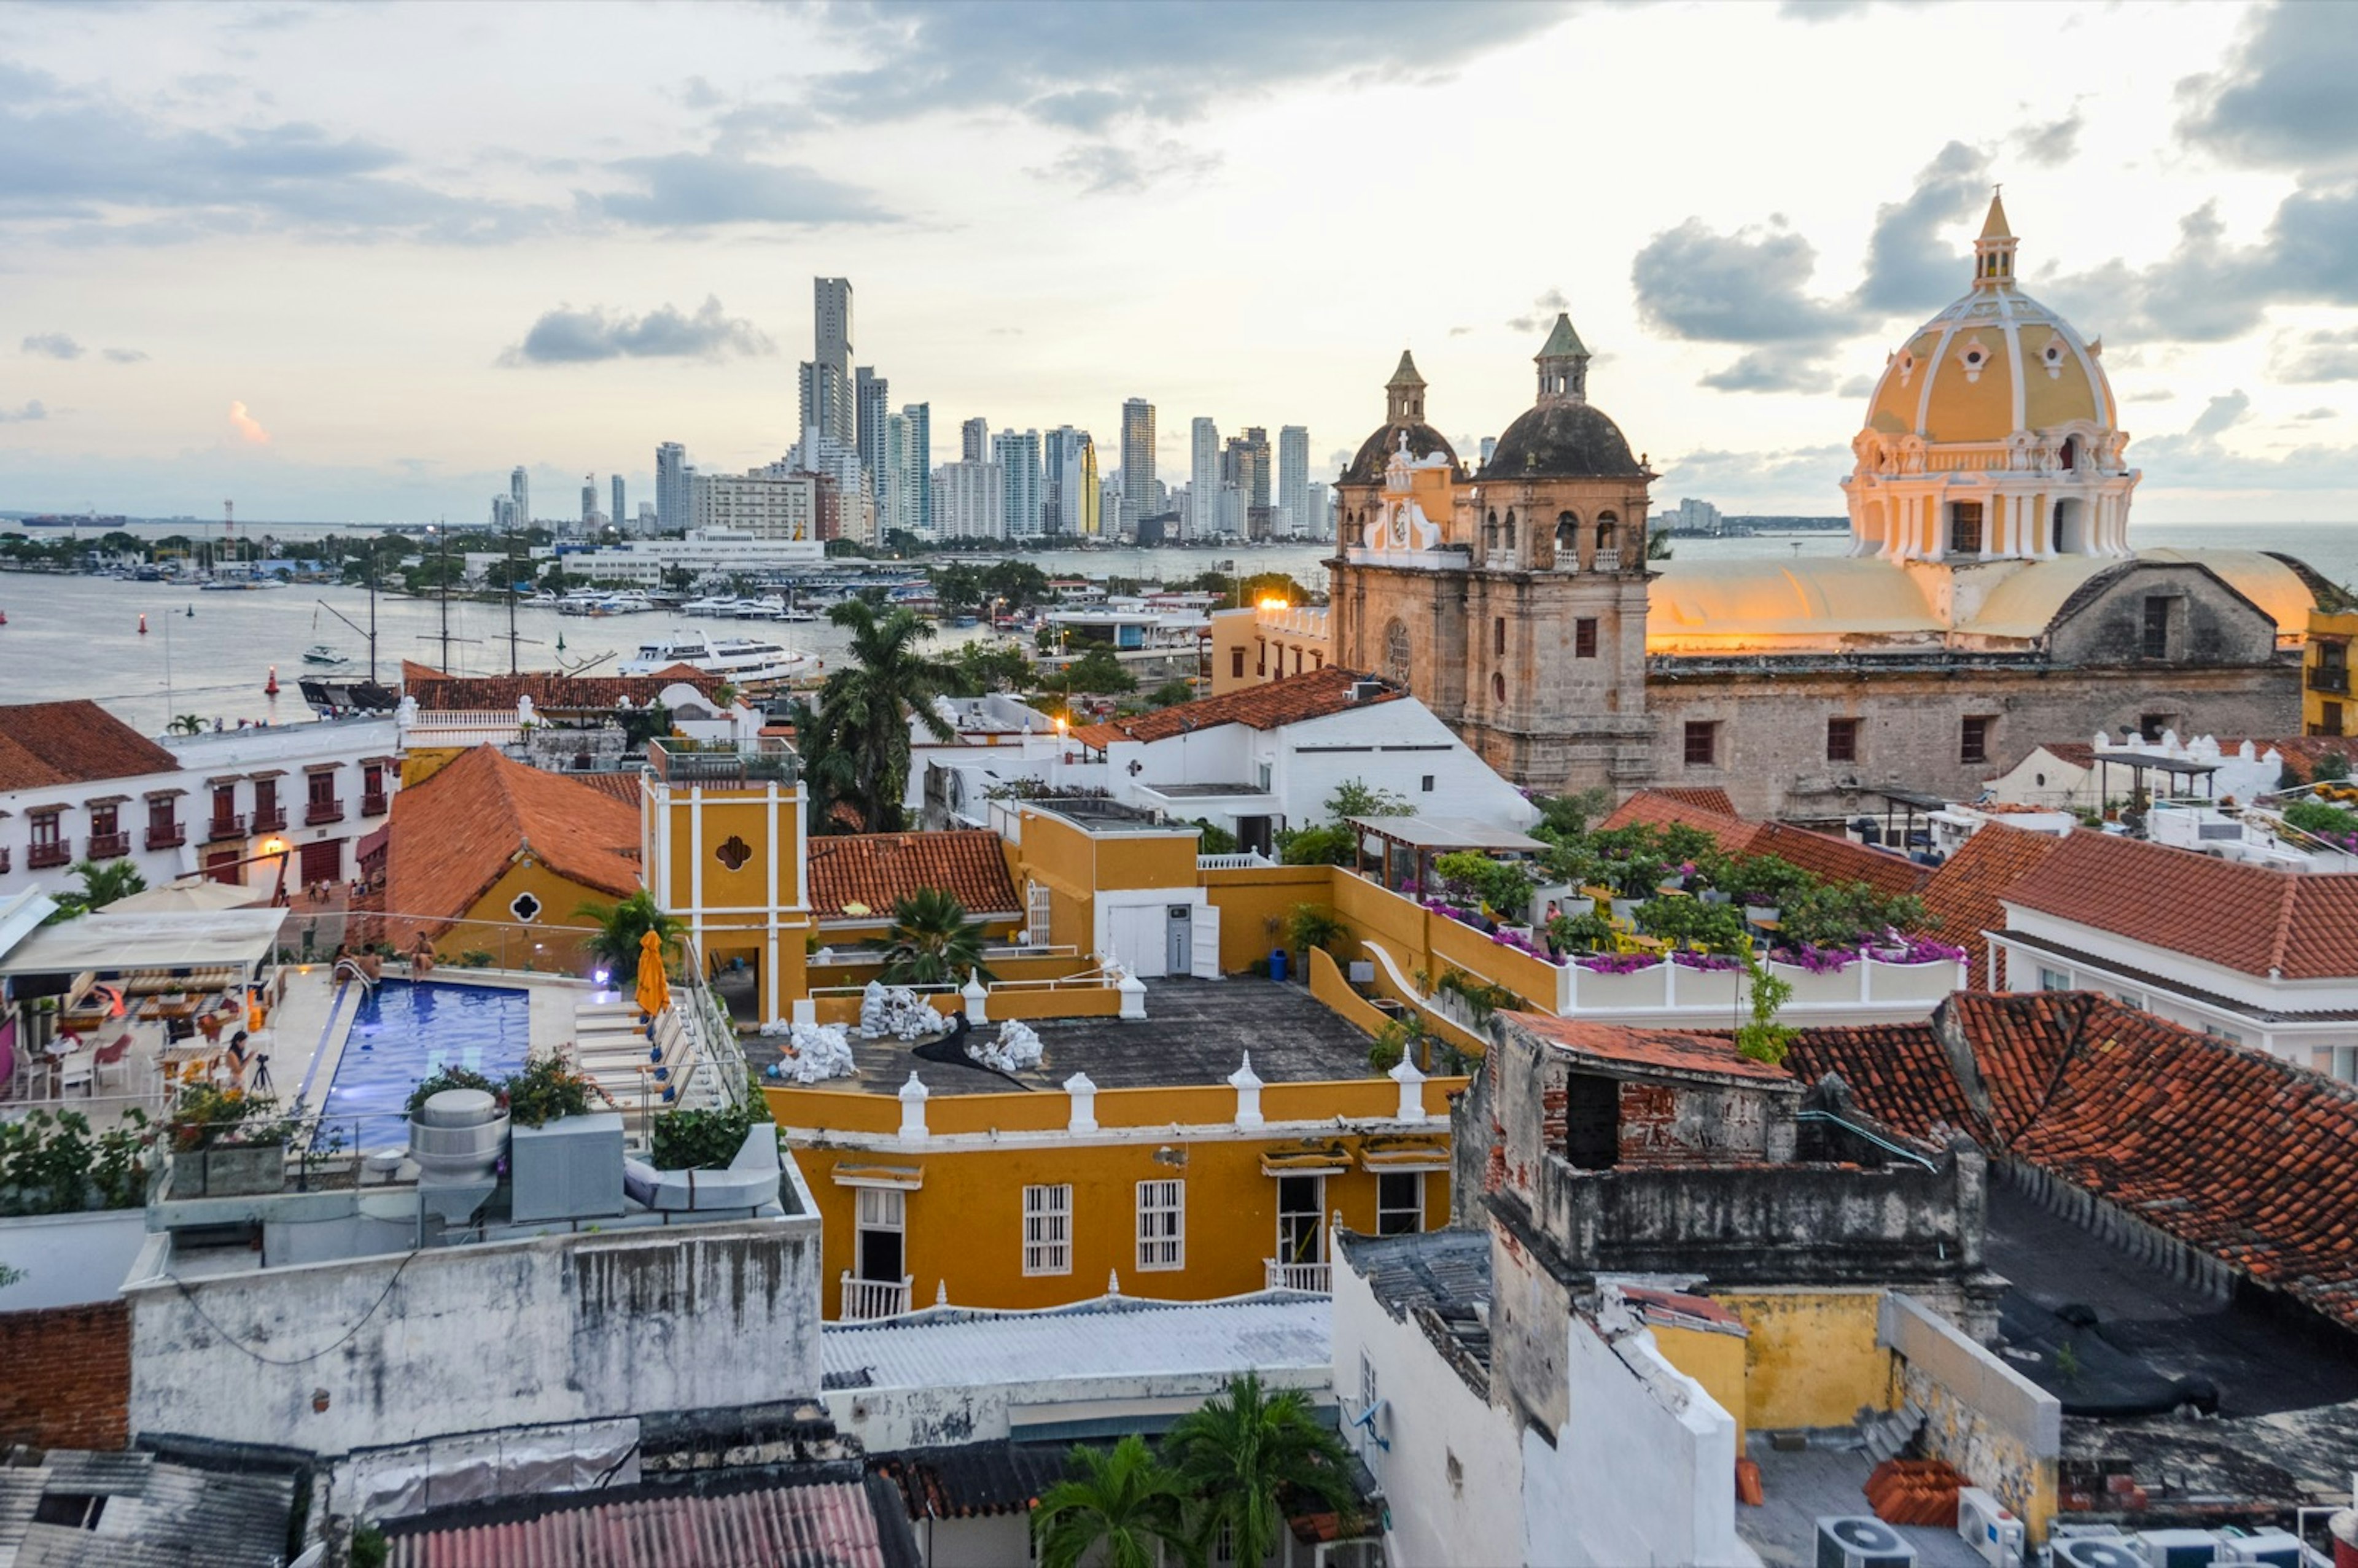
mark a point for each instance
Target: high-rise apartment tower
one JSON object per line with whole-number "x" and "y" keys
{"x": 1138, "y": 490}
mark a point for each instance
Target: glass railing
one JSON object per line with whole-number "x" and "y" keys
{"x": 678, "y": 761}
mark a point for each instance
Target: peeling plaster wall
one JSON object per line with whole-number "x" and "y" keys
{"x": 886, "y": 1419}
{"x": 1994, "y": 1425}
{"x": 407, "y": 1346}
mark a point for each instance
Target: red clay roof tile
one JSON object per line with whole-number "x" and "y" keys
{"x": 878, "y": 870}
{"x": 1963, "y": 893}
{"x": 1661, "y": 1050}
{"x": 46, "y": 743}
{"x": 1289, "y": 701}
{"x": 453, "y": 836}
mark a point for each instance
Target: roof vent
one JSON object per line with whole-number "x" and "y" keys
{"x": 1366, "y": 690}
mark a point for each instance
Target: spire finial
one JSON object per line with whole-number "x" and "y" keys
{"x": 1994, "y": 250}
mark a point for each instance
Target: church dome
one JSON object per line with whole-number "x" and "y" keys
{"x": 1994, "y": 364}
{"x": 1562, "y": 436}
{"x": 1403, "y": 415}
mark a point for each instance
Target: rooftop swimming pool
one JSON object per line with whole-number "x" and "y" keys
{"x": 406, "y": 1030}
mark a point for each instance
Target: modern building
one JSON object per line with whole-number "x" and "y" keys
{"x": 1140, "y": 496}
{"x": 761, "y": 504}
{"x": 1294, "y": 480}
{"x": 701, "y": 551}
{"x": 520, "y": 492}
{"x": 1203, "y": 478}
{"x": 917, "y": 473}
{"x": 974, "y": 440}
{"x": 617, "y": 516}
{"x": 1320, "y": 523}
{"x": 675, "y": 499}
{"x": 1069, "y": 482}
{"x": 970, "y": 500}
{"x": 872, "y": 396}
{"x": 1017, "y": 458}
{"x": 590, "y": 516}
{"x": 826, "y": 384}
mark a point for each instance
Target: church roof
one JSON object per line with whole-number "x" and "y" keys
{"x": 1376, "y": 452}
{"x": 1406, "y": 375}
{"x": 1994, "y": 227}
{"x": 1562, "y": 440}
{"x": 1563, "y": 341}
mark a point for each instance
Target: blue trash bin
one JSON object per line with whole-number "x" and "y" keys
{"x": 1277, "y": 957}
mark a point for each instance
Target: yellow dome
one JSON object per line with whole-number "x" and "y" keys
{"x": 1994, "y": 362}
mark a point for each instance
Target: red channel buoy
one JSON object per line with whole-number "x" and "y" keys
{"x": 142, "y": 626}
{"x": 270, "y": 687}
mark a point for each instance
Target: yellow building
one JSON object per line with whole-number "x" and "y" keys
{"x": 723, "y": 834}
{"x": 2325, "y": 672}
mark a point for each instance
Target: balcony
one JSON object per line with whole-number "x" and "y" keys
{"x": 320, "y": 811}
{"x": 866, "y": 1299}
{"x": 270, "y": 819}
{"x": 230, "y": 827}
{"x": 682, "y": 761}
{"x": 109, "y": 846}
{"x": 41, "y": 857}
{"x": 2329, "y": 677}
{"x": 1608, "y": 561}
{"x": 375, "y": 805}
{"x": 167, "y": 835}
{"x": 1315, "y": 1279}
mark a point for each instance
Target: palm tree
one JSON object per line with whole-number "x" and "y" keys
{"x": 933, "y": 942}
{"x": 615, "y": 944}
{"x": 1241, "y": 1450}
{"x": 101, "y": 884}
{"x": 186, "y": 724}
{"x": 1125, "y": 1501}
{"x": 855, "y": 743}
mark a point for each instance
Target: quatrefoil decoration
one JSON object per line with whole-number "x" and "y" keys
{"x": 733, "y": 852}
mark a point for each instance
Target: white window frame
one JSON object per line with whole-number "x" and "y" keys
{"x": 1048, "y": 1229}
{"x": 1162, "y": 1225}
{"x": 1316, "y": 1212}
{"x": 1039, "y": 912}
{"x": 2053, "y": 980}
{"x": 1416, "y": 1177}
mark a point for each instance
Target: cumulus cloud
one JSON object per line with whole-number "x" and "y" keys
{"x": 1770, "y": 370}
{"x": 249, "y": 429}
{"x": 2219, "y": 415}
{"x": 2314, "y": 414}
{"x": 1749, "y": 286}
{"x": 2208, "y": 288}
{"x": 2051, "y": 145}
{"x": 127, "y": 356}
{"x": 1100, "y": 169}
{"x": 566, "y": 335}
{"x": 1460, "y": 332}
{"x": 694, "y": 189}
{"x": 1541, "y": 314}
{"x": 31, "y": 411}
{"x": 2327, "y": 354}
{"x": 2284, "y": 98}
{"x": 55, "y": 345}
{"x": 1909, "y": 269}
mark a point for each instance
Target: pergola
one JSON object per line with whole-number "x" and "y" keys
{"x": 1413, "y": 841}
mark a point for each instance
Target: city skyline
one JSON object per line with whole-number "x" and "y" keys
{"x": 233, "y": 274}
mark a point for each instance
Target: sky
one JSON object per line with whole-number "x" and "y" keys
{"x": 354, "y": 261}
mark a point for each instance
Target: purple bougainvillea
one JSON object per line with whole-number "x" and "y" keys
{"x": 1711, "y": 963}
{"x": 1617, "y": 963}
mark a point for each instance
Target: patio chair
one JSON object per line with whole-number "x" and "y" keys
{"x": 77, "y": 1071}
{"x": 114, "y": 1056}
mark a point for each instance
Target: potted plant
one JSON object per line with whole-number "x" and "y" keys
{"x": 227, "y": 1143}
{"x": 565, "y": 1159}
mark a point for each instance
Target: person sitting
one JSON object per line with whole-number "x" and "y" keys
{"x": 421, "y": 956}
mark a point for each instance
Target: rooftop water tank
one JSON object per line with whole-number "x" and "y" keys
{"x": 458, "y": 1136}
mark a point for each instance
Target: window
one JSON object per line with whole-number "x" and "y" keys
{"x": 1260, "y": 657}
{"x": 524, "y": 907}
{"x": 1301, "y": 1214}
{"x": 1973, "y": 739}
{"x": 1039, "y": 911}
{"x": 2151, "y": 725}
{"x": 1498, "y": 635}
{"x": 266, "y": 806}
{"x": 1965, "y": 528}
{"x": 1498, "y": 686}
{"x": 1584, "y": 637}
{"x": 163, "y": 817}
{"x": 225, "y": 807}
{"x": 1841, "y": 740}
{"x": 1400, "y": 1203}
{"x": 1236, "y": 663}
{"x": 1162, "y": 1225}
{"x": 2053, "y": 980}
{"x": 1703, "y": 742}
{"x": 2345, "y": 1063}
{"x": 46, "y": 828}
{"x": 321, "y": 786}
{"x": 1369, "y": 1392}
{"x": 2329, "y": 718}
{"x": 2156, "y": 626}
{"x": 104, "y": 821}
{"x": 878, "y": 1251}
{"x": 1427, "y": 785}
{"x": 2229, "y": 1035}
{"x": 1048, "y": 1229}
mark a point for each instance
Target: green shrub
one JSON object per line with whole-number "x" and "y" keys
{"x": 442, "y": 1078}
{"x": 546, "y": 1090}
{"x": 1691, "y": 923}
{"x": 702, "y": 1140}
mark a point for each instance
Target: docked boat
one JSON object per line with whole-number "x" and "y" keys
{"x": 745, "y": 660}
{"x": 321, "y": 654}
{"x": 723, "y": 604}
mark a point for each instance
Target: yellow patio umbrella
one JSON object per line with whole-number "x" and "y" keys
{"x": 654, "y": 991}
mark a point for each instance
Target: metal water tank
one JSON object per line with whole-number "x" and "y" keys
{"x": 458, "y": 1136}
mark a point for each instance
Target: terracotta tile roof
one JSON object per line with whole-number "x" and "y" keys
{"x": 1962, "y": 894}
{"x": 629, "y": 788}
{"x": 1820, "y": 854}
{"x": 2305, "y": 750}
{"x": 1266, "y": 706}
{"x": 46, "y": 743}
{"x": 2224, "y": 1146}
{"x": 1706, "y": 797}
{"x": 2249, "y": 918}
{"x": 1661, "y": 1050}
{"x": 832, "y": 1521}
{"x": 453, "y": 836}
{"x": 552, "y": 691}
{"x": 878, "y": 870}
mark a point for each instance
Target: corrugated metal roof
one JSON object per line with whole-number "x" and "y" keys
{"x": 156, "y": 1514}
{"x": 826, "y": 1524}
{"x": 973, "y": 1480}
{"x": 1097, "y": 1339}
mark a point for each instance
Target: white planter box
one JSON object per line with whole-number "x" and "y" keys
{"x": 1595, "y": 992}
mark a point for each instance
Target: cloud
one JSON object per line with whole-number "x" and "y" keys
{"x": 31, "y": 411}
{"x": 127, "y": 356}
{"x": 248, "y": 428}
{"x": 1909, "y": 269}
{"x": 2209, "y": 289}
{"x": 1460, "y": 332}
{"x": 1768, "y": 370}
{"x": 2219, "y": 415}
{"x": 698, "y": 189}
{"x": 1744, "y": 287}
{"x": 2324, "y": 355}
{"x": 1857, "y": 387}
{"x": 1822, "y": 10}
{"x": 1542, "y": 312}
{"x": 2053, "y": 144}
{"x": 1099, "y": 169}
{"x": 1793, "y": 473}
{"x": 2318, "y": 413}
{"x": 2284, "y": 99}
{"x": 56, "y": 345}
{"x": 566, "y": 335}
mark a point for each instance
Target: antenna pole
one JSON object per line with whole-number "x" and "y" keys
{"x": 445, "y": 575}
{"x": 511, "y": 599}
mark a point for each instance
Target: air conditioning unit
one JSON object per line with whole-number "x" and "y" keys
{"x": 2178, "y": 1548}
{"x": 1984, "y": 1524}
{"x": 2276, "y": 1548}
{"x": 1862, "y": 1540}
{"x": 2098, "y": 1551}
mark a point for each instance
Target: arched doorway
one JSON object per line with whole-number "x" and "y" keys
{"x": 2071, "y": 527}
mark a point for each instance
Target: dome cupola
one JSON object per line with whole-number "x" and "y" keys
{"x": 1403, "y": 416}
{"x": 1562, "y": 436}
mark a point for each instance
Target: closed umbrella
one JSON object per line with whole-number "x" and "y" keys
{"x": 654, "y": 991}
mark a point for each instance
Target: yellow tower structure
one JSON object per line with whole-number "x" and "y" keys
{"x": 724, "y": 831}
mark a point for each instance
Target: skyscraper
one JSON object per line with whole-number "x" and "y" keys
{"x": 1092, "y": 514}
{"x": 918, "y": 460}
{"x": 1137, "y": 460}
{"x": 589, "y": 500}
{"x": 673, "y": 502}
{"x": 871, "y": 394}
{"x": 1067, "y": 480}
{"x": 971, "y": 500}
{"x": 1018, "y": 458}
{"x": 618, "y": 514}
{"x": 974, "y": 440}
{"x": 826, "y": 374}
{"x": 1293, "y": 479}
{"x": 520, "y": 492}
{"x": 1203, "y": 478}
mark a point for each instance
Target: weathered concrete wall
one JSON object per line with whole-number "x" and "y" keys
{"x": 939, "y": 1415}
{"x": 2210, "y": 623}
{"x": 2001, "y": 1429}
{"x": 1812, "y": 1357}
{"x": 405, "y": 1348}
{"x": 69, "y": 1260}
{"x": 65, "y": 1377}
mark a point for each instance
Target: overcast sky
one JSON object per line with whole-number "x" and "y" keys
{"x": 354, "y": 261}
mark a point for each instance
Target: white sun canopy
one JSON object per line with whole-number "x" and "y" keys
{"x": 106, "y": 942}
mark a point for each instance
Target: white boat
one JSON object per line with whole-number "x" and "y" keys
{"x": 745, "y": 660}
{"x": 321, "y": 654}
{"x": 717, "y": 604}
{"x": 770, "y": 609}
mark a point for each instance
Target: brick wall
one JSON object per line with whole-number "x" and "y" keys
{"x": 68, "y": 1377}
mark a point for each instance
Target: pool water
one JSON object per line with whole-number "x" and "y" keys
{"x": 407, "y": 1030}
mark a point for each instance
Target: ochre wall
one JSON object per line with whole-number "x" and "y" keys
{"x": 1714, "y": 1360}
{"x": 1249, "y": 899}
{"x": 1812, "y": 1358}
{"x": 2326, "y": 624}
